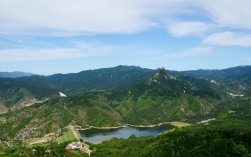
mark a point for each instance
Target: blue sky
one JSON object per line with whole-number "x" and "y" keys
{"x": 62, "y": 36}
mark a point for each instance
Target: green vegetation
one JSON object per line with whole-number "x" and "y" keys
{"x": 229, "y": 135}
{"x": 158, "y": 98}
{"x": 43, "y": 87}
{"x": 223, "y": 138}
{"x": 239, "y": 73}
{"x": 66, "y": 137}
{"x": 50, "y": 150}
{"x": 216, "y": 139}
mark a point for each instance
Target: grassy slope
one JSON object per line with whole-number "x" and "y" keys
{"x": 66, "y": 137}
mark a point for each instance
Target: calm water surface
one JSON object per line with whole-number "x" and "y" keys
{"x": 99, "y": 135}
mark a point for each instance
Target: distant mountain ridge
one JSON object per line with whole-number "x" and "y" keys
{"x": 12, "y": 91}
{"x": 15, "y": 90}
{"x": 15, "y": 74}
{"x": 93, "y": 80}
{"x": 225, "y": 75}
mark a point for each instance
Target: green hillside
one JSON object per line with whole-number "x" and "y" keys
{"x": 215, "y": 139}
{"x": 229, "y": 135}
{"x": 93, "y": 80}
{"x": 161, "y": 97}
{"x": 16, "y": 91}
{"x": 221, "y": 138}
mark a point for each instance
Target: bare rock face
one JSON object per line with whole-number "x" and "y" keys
{"x": 62, "y": 94}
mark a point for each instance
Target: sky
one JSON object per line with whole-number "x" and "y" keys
{"x": 67, "y": 36}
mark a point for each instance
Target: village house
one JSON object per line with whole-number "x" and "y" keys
{"x": 74, "y": 145}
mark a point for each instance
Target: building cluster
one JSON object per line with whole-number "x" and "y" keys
{"x": 74, "y": 145}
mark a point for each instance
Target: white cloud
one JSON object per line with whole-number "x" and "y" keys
{"x": 230, "y": 13}
{"x": 180, "y": 29}
{"x": 64, "y": 17}
{"x": 32, "y": 54}
{"x": 77, "y": 17}
{"x": 229, "y": 39}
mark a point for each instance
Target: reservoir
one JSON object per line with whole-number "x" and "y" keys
{"x": 94, "y": 135}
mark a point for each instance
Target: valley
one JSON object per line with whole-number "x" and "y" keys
{"x": 39, "y": 111}
{"x": 125, "y": 78}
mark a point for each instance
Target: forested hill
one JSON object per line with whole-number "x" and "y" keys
{"x": 93, "y": 80}
{"x": 149, "y": 97}
{"x": 25, "y": 90}
{"x": 239, "y": 73}
{"x": 160, "y": 97}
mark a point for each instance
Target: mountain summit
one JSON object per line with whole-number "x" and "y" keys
{"x": 161, "y": 75}
{"x": 163, "y": 82}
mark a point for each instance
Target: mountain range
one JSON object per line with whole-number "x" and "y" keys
{"x": 27, "y": 90}
{"x": 43, "y": 106}
{"x": 239, "y": 73}
{"x": 119, "y": 95}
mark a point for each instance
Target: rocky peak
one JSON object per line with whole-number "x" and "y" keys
{"x": 161, "y": 73}
{"x": 160, "y": 76}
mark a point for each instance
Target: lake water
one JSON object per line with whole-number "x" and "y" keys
{"x": 98, "y": 135}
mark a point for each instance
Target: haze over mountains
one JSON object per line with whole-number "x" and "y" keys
{"x": 241, "y": 73}
{"x": 14, "y": 74}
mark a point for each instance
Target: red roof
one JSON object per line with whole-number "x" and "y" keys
{"x": 68, "y": 147}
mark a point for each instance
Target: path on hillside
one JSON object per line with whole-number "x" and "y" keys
{"x": 42, "y": 140}
{"x": 86, "y": 149}
{"x": 78, "y": 137}
{"x": 75, "y": 132}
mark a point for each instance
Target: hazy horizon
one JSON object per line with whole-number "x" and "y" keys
{"x": 119, "y": 65}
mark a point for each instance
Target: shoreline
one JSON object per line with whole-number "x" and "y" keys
{"x": 173, "y": 123}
